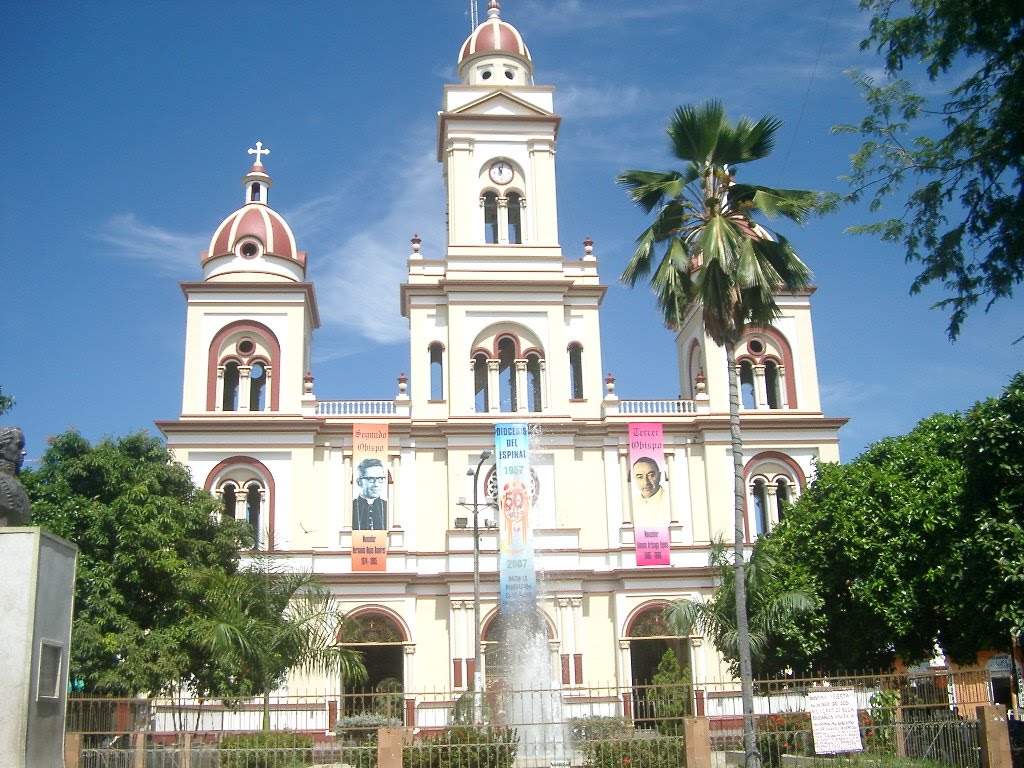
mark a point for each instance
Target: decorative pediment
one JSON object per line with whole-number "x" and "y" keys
{"x": 499, "y": 104}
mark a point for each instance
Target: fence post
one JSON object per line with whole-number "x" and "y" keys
{"x": 139, "y": 747}
{"x": 72, "y": 750}
{"x": 698, "y": 742}
{"x": 900, "y": 732}
{"x": 994, "y": 736}
{"x": 389, "y": 747}
{"x": 186, "y": 752}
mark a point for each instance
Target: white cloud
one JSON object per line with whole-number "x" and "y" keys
{"x": 169, "y": 252}
{"x": 358, "y": 280}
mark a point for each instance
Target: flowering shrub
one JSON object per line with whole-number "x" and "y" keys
{"x": 784, "y": 734}
{"x": 655, "y": 752}
{"x": 464, "y": 746}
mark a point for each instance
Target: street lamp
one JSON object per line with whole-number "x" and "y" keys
{"x": 475, "y": 474}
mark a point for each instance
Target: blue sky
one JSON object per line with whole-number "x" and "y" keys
{"x": 125, "y": 138}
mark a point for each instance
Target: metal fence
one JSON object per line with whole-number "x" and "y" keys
{"x": 920, "y": 720}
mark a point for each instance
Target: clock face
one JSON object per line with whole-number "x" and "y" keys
{"x": 501, "y": 172}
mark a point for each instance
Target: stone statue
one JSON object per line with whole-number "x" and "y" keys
{"x": 14, "y": 503}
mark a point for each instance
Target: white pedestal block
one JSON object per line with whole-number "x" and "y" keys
{"x": 37, "y": 585}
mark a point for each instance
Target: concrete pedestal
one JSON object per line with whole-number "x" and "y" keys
{"x": 37, "y": 584}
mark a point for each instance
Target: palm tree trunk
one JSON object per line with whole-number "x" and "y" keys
{"x": 266, "y": 710}
{"x": 753, "y": 758}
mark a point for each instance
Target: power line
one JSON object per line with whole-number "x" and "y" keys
{"x": 807, "y": 93}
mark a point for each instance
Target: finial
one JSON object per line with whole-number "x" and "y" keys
{"x": 416, "y": 240}
{"x": 493, "y": 10}
{"x": 258, "y": 151}
{"x": 588, "y": 248}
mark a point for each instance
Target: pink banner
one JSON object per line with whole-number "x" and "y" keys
{"x": 649, "y": 494}
{"x": 652, "y": 547}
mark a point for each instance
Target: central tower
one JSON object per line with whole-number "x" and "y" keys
{"x": 503, "y": 324}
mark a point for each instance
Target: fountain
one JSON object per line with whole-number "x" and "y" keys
{"x": 535, "y": 698}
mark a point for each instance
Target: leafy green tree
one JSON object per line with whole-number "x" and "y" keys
{"x": 918, "y": 541}
{"x": 954, "y": 164}
{"x": 670, "y": 694}
{"x": 265, "y": 620}
{"x": 986, "y": 571}
{"x": 771, "y": 610}
{"x": 717, "y": 258}
{"x": 147, "y": 538}
{"x": 868, "y": 540}
{"x": 6, "y": 402}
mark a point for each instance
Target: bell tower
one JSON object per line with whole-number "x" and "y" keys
{"x": 250, "y": 320}
{"x": 504, "y": 323}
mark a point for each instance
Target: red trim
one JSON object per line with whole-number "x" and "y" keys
{"x": 387, "y": 613}
{"x": 515, "y": 343}
{"x": 640, "y": 610}
{"x": 748, "y": 470}
{"x": 577, "y": 661}
{"x": 221, "y": 470}
{"x": 457, "y": 672}
{"x": 787, "y": 359}
{"x": 565, "y": 669}
{"x": 216, "y": 350}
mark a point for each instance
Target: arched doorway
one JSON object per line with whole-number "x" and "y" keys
{"x": 382, "y": 642}
{"x": 660, "y": 668}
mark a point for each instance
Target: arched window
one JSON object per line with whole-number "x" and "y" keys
{"x": 507, "y": 394}
{"x": 436, "y": 371}
{"x": 576, "y": 371}
{"x": 774, "y": 480}
{"x": 490, "y": 218}
{"x": 747, "y": 397}
{"x": 515, "y": 217}
{"x": 255, "y": 196}
{"x": 760, "y": 494}
{"x": 533, "y": 383}
{"x": 231, "y": 380}
{"x": 241, "y": 362}
{"x": 257, "y": 387}
{"x": 771, "y": 383}
{"x": 480, "y": 382}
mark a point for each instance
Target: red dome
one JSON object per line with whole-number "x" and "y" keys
{"x": 261, "y": 223}
{"x": 494, "y": 36}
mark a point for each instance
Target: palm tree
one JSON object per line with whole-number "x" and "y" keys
{"x": 264, "y": 620}
{"x": 715, "y": 618}
{"x": 718, "y": 260}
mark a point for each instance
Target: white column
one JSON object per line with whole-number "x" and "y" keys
{"x": 471, "y": 405}
{"x": 493, "y": 387}
{"x": 545, "y": 393}
{"x": 244, "y": 387}
{"x": 760, "y": 390}
{"x": 268, "y": 386}
{"x": 783, "y": 392}
{"x": 522, "y": 396}
{"x": 218, "y": 403}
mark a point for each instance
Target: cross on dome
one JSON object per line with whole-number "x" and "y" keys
{"x": 259, "y": 150}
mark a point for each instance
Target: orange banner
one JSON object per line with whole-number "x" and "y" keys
{"x": 370, "y": 497}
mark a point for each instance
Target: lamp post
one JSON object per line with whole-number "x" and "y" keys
{"x": 475, "y": 474}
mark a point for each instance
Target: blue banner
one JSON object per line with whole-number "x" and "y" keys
{"x": 517, "y": 576}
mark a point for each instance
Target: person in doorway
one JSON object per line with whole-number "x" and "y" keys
{"x": 369, "y": 510}
{"x": 650, "y": 503}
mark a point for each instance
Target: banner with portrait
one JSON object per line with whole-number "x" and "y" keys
{"x": 649, "y": 494}
{"x": 369, "y": 497}
{"x": 517, "y": 577}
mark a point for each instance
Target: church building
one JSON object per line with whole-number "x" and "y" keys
{"x": 591, "y": 509}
